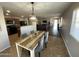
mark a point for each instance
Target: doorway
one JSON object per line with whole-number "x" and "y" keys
{"x": 53, "y": 27}
{"x": 13, "y": 29}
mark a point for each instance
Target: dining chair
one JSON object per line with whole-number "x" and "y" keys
{"x": 46, "y": 39}
{"x": 40, "y": 46}
{"x": 24, "y": 36}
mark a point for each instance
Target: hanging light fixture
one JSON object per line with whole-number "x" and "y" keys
{"x": 33, "y": 17}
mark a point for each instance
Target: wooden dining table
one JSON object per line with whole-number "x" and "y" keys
{"x": 29, "y": 43}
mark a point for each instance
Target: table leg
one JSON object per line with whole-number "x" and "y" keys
{"x": 32, "y": 53}
{"x": 18, "y": 50}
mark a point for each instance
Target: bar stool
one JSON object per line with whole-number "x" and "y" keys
{"x": 46, "y": 39}
{"x": 40, "y": 46}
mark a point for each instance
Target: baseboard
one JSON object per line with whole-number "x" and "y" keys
{"x": 4, "y": 48}
{"x": 65, "y": 45}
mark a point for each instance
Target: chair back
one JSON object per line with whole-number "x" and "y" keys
{"x": 46, "y": 37}
{"x": 24, "y": 36}
{"x": 41, "y": 43}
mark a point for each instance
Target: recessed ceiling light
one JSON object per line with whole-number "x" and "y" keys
{"x": 7, "y": 14}
{"x": 22, "y": 16}
{"x": 55, "y": 17}
{"x": 8, "y": 11}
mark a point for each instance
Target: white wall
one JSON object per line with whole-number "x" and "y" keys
{"x": 4, "y": 40}
{"x": 71, "y": 43}
{"x": 27, "y": 29}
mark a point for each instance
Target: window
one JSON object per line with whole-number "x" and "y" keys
{"x": 74, "y": 31}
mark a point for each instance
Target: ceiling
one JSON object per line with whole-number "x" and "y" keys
{"x": 42, "y": 9}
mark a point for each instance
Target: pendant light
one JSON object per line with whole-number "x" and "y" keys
{"x": 33, "y": 17}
